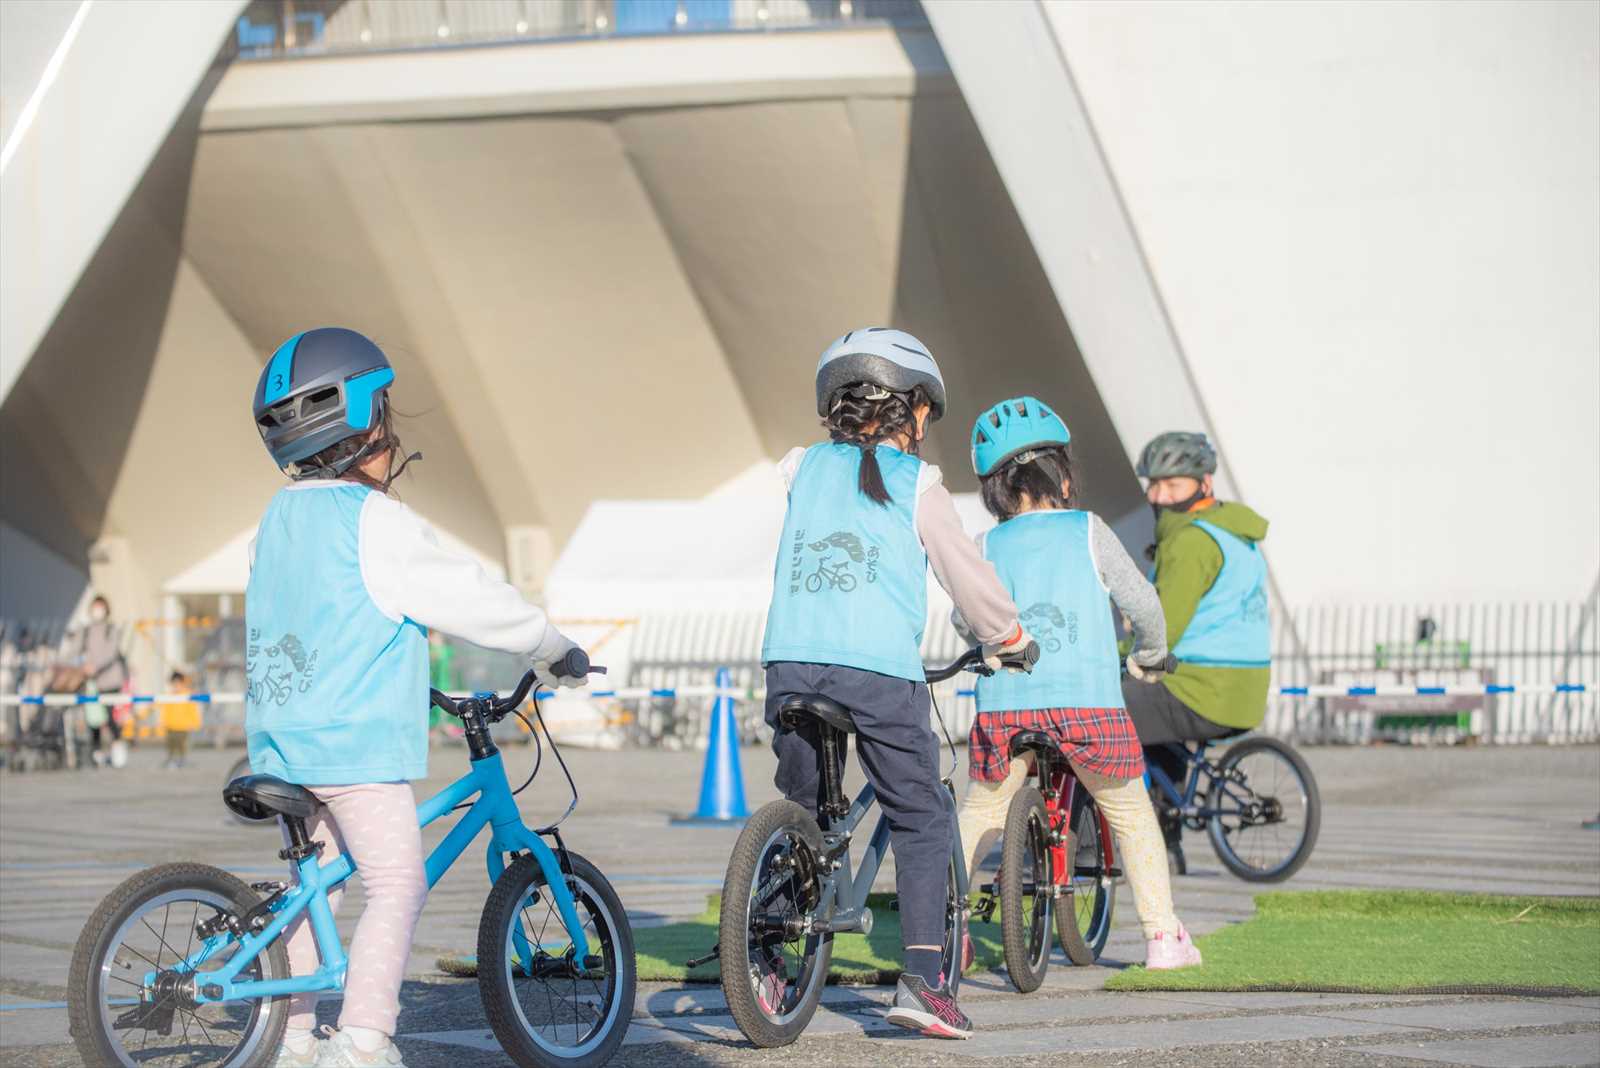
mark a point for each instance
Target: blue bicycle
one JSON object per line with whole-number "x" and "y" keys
{"x": 183, "y": 964}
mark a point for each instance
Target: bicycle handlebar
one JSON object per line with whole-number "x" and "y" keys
{"x": 574, "y": 665}
{"x": 972, "y": 660}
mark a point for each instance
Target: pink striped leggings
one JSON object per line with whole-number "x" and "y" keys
{"x": 376, "y": 823}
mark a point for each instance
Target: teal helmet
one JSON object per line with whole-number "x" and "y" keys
{"x": 1012, "y": 428}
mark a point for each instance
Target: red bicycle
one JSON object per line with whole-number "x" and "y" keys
{"x": 1057, "y": 868}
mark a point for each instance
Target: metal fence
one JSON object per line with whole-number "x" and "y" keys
{"x": 1479, "y": 647}
{"x": 1483, "y": 644}
{"x": 276, "y": 29}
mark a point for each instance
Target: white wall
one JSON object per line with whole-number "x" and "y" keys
{"x": 118, "y": 86}
{"x": 1376, "y": 228}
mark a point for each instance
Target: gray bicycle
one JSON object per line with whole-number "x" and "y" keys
{"x": 789, "y": 887}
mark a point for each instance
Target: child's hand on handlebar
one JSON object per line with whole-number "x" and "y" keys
{"x": 547, "y": 669}
{"x": 996, "y": 656}
{"x": 1151, "y": 673}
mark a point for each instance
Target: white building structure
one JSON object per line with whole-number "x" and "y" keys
{"x": 1357, "y": 243}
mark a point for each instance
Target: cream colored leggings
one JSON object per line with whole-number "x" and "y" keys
{"x": 377, "y": 824}
{"x": 1125, "y": 802}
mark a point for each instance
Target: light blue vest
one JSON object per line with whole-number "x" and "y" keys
{"x": 850, "y": 586}
{"x": 337, "y": 691}
{"x": 1230, "y": 627}
{"x": 1043, "y": 559}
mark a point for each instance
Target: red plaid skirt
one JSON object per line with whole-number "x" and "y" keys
{"x": 1102, "y": 740}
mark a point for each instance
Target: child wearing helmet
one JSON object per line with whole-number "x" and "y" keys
{"x": 344, "y": 583}
{"x": 865, "y": 521}
{"x": 1061, "y": 564}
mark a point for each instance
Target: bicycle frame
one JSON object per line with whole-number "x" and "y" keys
{"x": 1184, "y": 800}
{"x": 847, "y": 894}
{"x": 495, "y": 808}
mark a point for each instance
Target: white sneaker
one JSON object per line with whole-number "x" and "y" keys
{"x": 288, "y": 1058}
{"x": 341, "y": 1051}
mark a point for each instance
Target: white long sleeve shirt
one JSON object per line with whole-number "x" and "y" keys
{"x": 409, "y": 575}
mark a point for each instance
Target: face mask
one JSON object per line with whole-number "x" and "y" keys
{"x": 1180, "y": 506}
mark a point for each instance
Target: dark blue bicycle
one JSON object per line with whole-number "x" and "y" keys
{"x": 183, "y": 964}
{"x": 1258, "y": 803}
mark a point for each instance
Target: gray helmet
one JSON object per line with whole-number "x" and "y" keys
{"x": 1177, "y": 453}
{"x": 882, "y": 356}
{"x": 320, "y": 387}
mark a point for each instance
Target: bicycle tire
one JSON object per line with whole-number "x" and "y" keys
{"x": 88, "y": 1018}
{"x": 955, "y": 929}
{"x": 611, "y": 939}
{"x": 740, "y": 970}
{"x": 1025, "y": 918}
{"x": 1295, "y": 859}
{"x": 1083, "y": 917}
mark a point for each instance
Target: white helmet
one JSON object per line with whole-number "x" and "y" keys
{"x": 880, "y": 356}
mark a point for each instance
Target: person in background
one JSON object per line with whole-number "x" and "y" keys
{"x": 179, "y": 719}
{"x": 1212, "y": 582}
{"x": 105, "y": 673}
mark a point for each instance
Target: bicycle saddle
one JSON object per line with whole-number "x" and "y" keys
{"x": 261, "y": 797}
{"x": 1022, "y": 741}
{"x": 797, "y": 708}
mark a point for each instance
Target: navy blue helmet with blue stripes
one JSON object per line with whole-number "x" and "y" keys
{"x": 320, "y": 387}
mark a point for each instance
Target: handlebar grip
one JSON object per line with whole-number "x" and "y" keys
{"x": 574, "y": 665}
{"x": 1171, "y": 664}
{"x": 1030, "y": 655}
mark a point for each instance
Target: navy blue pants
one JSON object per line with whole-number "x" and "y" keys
{"x": 900, "y": 754}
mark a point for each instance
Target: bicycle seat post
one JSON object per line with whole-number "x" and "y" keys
{"x": 834, "y": 806}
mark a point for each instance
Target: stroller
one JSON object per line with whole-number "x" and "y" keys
{"x": 42, "y": 745}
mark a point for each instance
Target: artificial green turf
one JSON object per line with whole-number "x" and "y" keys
{"x": 1387, "y": 941}
{"x": 874, "y": 958}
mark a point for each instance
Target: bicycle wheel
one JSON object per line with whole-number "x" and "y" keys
{"x": 773, "y": 971}
{"x": 148, "y": 925}
{"x": 955, "y": 929}
{"x": 1026, "y": 890}
{"x": 1267, "y": 810}
{"x": 1083, "y": 919}
{"x": 543, "y": 1010}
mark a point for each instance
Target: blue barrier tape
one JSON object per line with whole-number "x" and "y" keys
{"x": 33, "y": 700}
{"x": 1491, "y": 688}
{"x": 144, "y": 699}
{"x": 1294, "y": 691}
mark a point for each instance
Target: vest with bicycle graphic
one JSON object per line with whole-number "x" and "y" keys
{"x": 850, "y": 582}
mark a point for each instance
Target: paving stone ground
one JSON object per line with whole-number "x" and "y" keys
{"x": 1501, "y": 820}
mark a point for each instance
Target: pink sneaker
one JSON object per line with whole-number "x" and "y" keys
{"x": 1164, "y": 951}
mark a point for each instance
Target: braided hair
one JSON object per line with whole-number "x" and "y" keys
{"x": 862, "y": 415}
{"x": 1036, "y": 473}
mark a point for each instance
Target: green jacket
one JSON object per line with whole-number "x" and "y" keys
{"x": 1187, "y": 563}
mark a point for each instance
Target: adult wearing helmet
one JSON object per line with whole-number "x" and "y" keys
{"x": 1212, "y": 582}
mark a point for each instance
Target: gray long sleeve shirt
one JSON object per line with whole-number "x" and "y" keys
{"x": 957, "y": 564}
{"x": 1129, "y": 591}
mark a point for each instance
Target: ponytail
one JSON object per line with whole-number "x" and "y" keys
{"x": 856, "y": 417}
